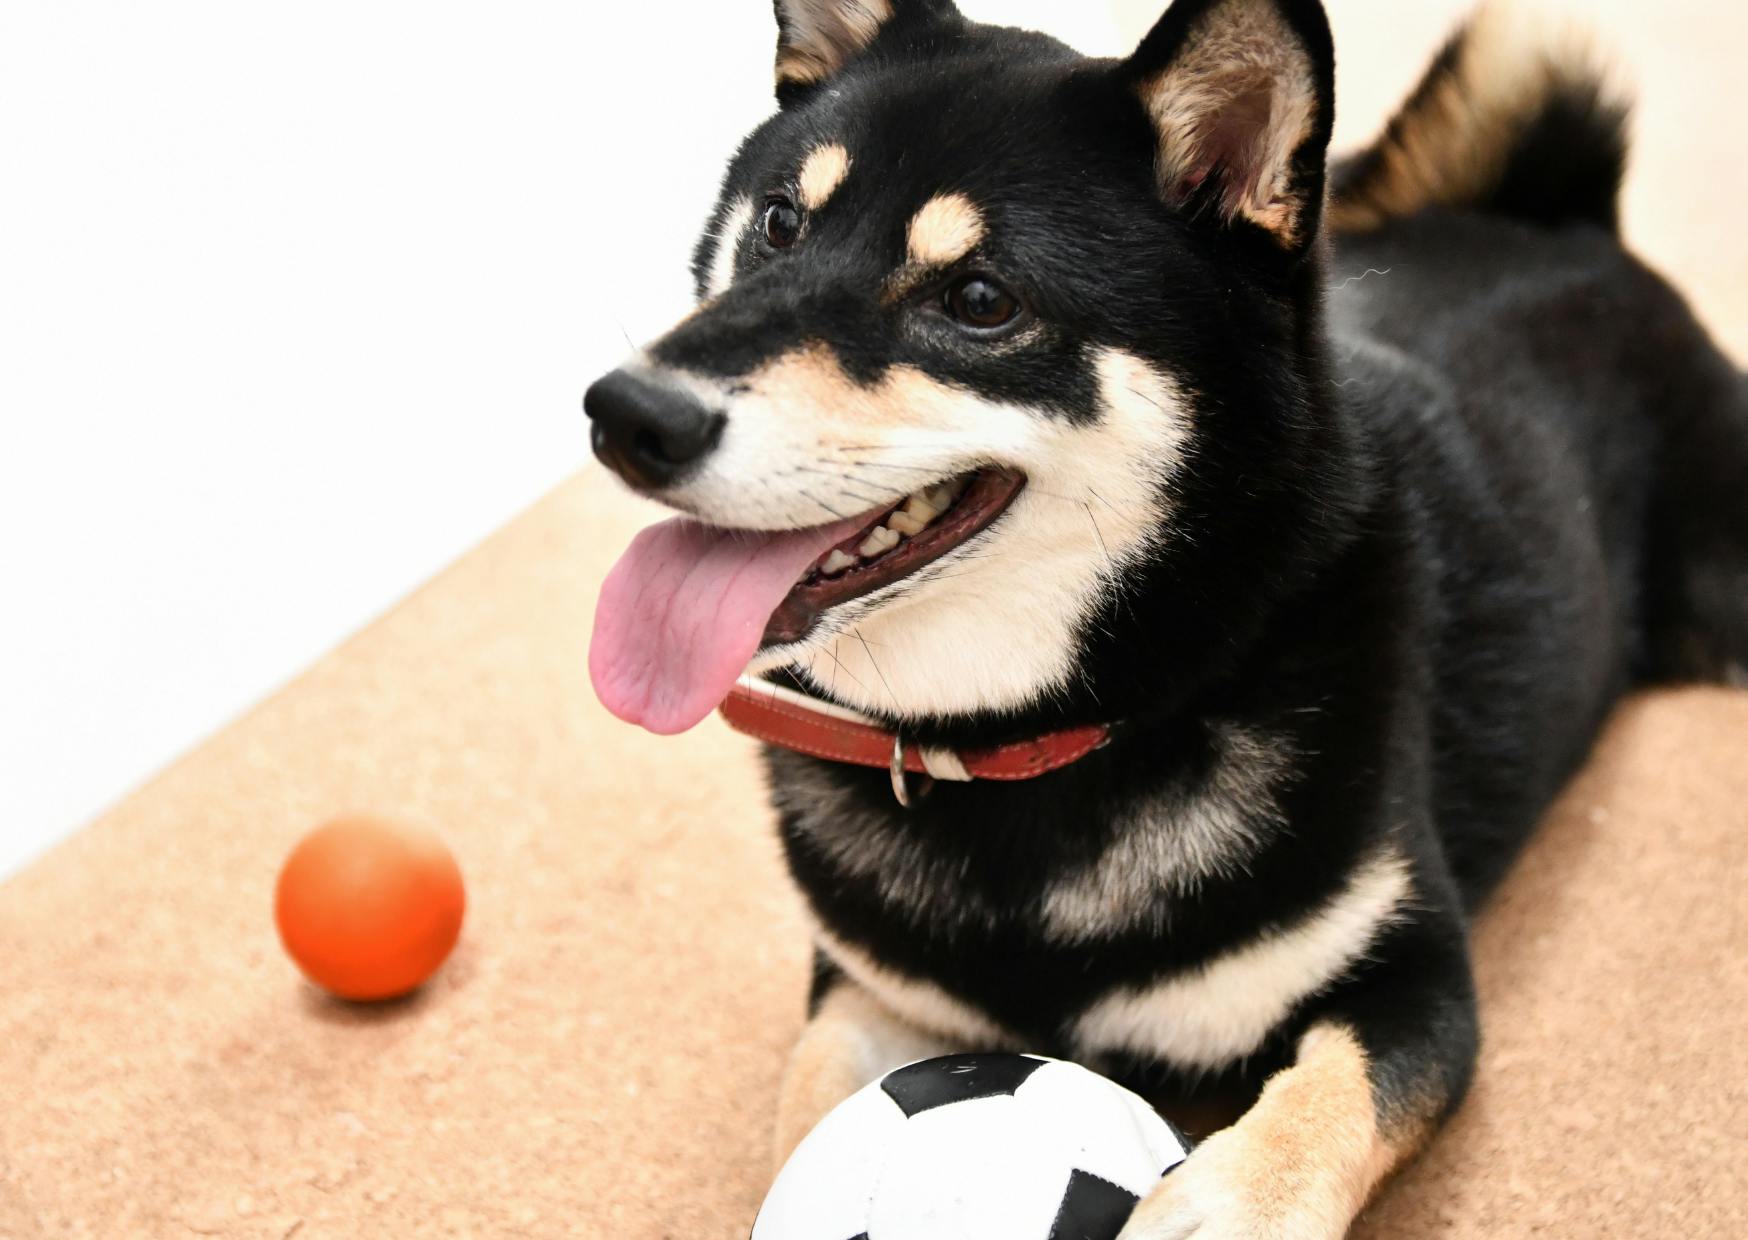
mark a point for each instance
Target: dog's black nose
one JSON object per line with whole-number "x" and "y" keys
{"x": 646, "y": 433}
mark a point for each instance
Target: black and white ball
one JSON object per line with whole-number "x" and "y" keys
{"x": 974, "y": 1147}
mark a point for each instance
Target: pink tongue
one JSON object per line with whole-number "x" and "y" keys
{"x": 682, "y": 613}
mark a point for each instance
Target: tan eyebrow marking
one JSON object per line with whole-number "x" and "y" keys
{"x": 946, "y": 229}
{"x": 821, "y": 174}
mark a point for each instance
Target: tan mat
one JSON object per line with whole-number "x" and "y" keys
{"x": 600, "y": 1057}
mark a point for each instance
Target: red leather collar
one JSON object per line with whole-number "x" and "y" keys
{"x": 782, "y": 717}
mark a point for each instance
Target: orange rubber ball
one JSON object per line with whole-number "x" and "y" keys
{"x": 369, "y": 909}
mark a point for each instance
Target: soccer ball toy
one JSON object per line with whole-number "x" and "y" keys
{"x": 974, "y": 1147}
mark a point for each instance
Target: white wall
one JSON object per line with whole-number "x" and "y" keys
{"x": 297, "y": 302}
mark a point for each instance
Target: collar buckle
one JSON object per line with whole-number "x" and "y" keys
{"x": 901, "y": 777}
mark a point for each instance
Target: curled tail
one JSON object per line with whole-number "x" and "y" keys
{"x": 1516, "y": 117}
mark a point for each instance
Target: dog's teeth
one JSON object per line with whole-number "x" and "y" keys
{"x": 941, "y": 497}
{"x": 919, "y": 512}
{"x": 880, "y": 540}
{"x": 920, "y": 509}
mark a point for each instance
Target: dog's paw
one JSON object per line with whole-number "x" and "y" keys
{"x": 1230, "y": 1189}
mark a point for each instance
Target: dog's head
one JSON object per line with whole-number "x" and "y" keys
{"x": 988, "y": 334}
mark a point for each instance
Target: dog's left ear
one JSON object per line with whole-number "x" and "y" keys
{"x": 817, "y": 38}
{"x": 1241, "y": 96}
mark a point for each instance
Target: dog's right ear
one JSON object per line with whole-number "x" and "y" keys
{"x": 817, "y": 38}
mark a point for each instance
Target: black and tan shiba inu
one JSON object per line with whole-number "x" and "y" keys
{"x": 1030, "y": 392}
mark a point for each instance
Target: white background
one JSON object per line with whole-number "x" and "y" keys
{"x": 296, "y": 303}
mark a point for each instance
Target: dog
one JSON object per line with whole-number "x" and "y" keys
{"x": 1287, "y": 527}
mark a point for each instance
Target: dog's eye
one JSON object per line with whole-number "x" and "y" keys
{"x": 782, "y": 223}
{"x": 978, "y": 301}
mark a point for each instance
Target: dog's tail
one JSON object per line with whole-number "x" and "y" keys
{"x": 1518, "y": 116}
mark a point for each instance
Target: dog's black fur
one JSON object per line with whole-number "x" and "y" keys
{"x": 1446, "y": 514}
{"x": 1457, "y": 483}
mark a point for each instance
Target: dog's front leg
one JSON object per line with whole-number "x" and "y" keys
{"x": 850, "y": 1041}
{"x": 1383, "y": 1062}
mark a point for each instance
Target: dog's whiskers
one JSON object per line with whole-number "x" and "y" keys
{"x": 1144, "y": 396}
{"x": 909, "y": 469}
{"x": 816, "y": 499}
{"x": 838, "y": 476}
{"x": 1109, "y": 563}
{"x": 838, "y": 663}
{"x": 970, "y": 572}
{"x": 872, "y": 662}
